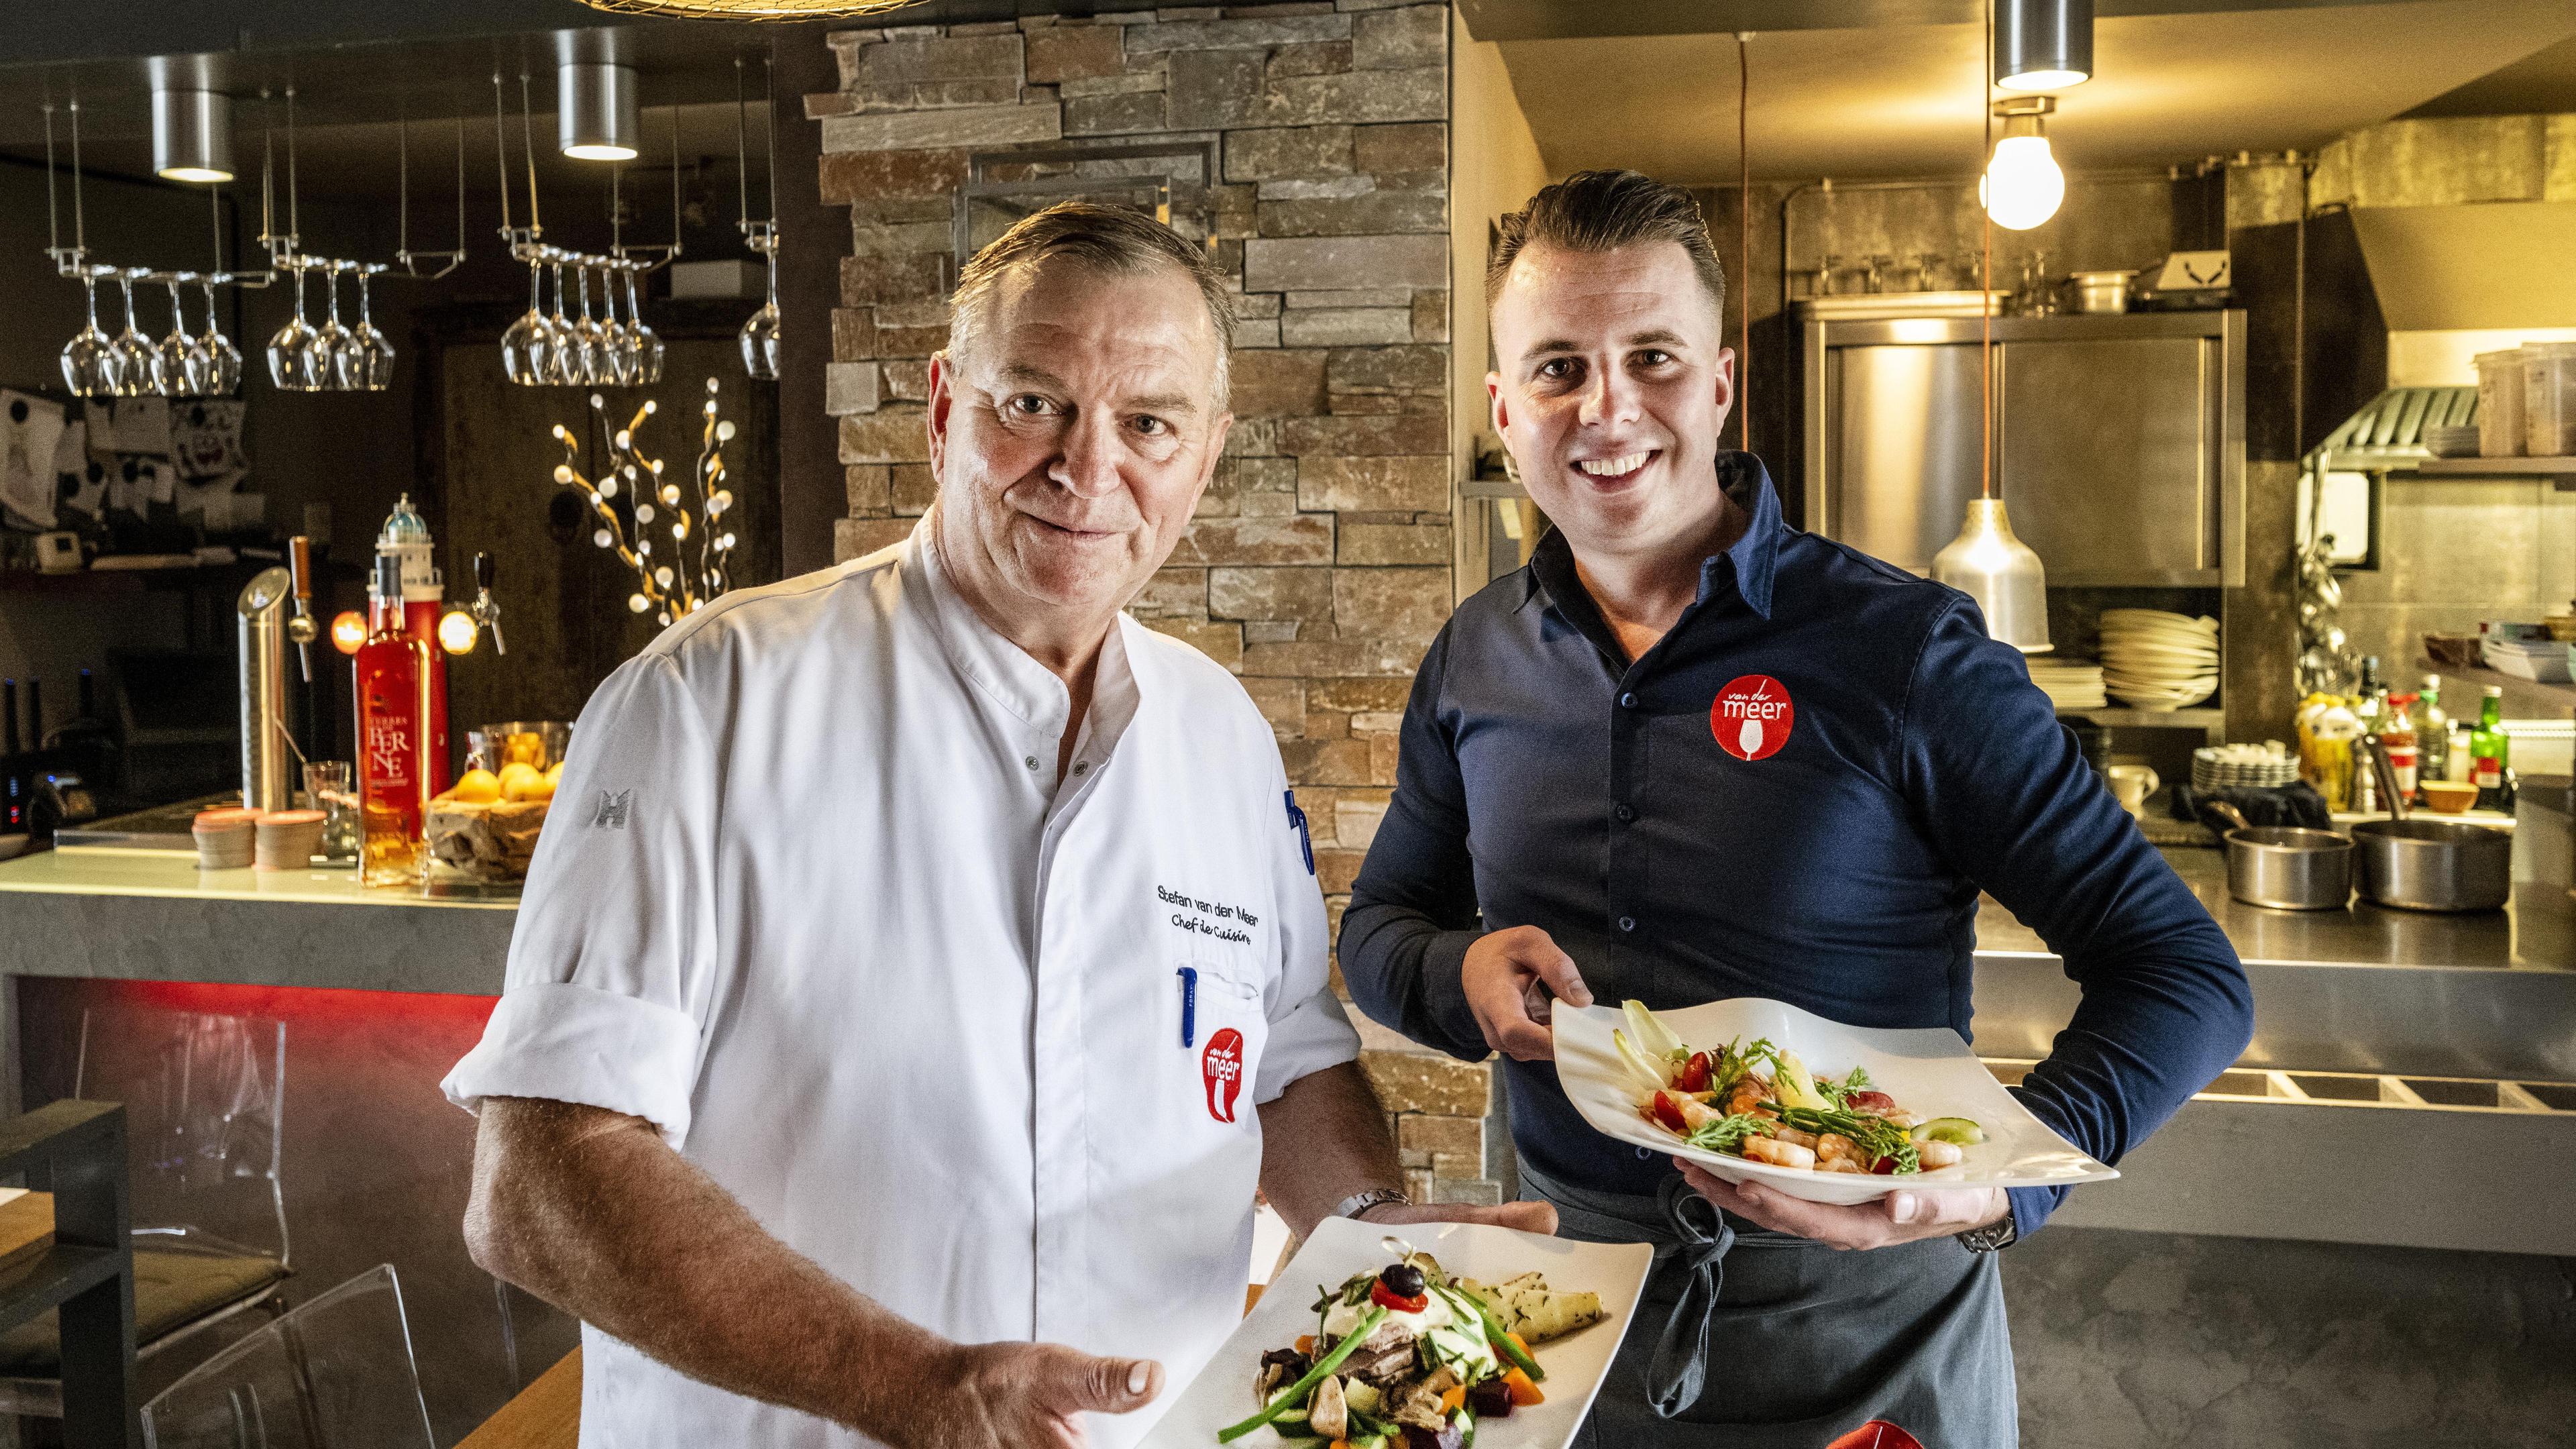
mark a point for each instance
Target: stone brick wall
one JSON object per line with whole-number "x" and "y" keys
{"x": 1318, "y": 567}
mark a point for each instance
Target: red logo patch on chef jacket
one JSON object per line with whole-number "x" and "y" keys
{"x": 1222, "y": 1065}
{"x": 1751, "y": 717}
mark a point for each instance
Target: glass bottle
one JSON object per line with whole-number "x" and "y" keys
{"x": 2432, "y": 732}
{"x": 2397, "y": 736}
{"x": 392, "y": 710}
{"x": 2490, "y": 751}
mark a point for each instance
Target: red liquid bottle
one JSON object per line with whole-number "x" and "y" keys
{"x": 393, "y": 710}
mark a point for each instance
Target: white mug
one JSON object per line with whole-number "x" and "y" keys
{"x": 2131, "y": 785}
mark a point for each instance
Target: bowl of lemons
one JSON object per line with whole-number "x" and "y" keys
{"x": 484, "y": 828}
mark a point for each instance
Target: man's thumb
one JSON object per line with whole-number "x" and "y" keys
{"x": 1104, "y": 1385}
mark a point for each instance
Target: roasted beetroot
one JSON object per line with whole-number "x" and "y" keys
{"x": 1448, "y": 1436}
{"x": 1491, "y": 1399}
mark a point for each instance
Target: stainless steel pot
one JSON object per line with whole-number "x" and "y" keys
{"x": 2285, "y": 867}
{"x": 2434, "y": 865}
{"x": 2099, "y": 292}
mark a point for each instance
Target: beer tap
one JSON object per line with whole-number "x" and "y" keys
{"x": 301, "y": 627}
{"x": 486, "y": 609}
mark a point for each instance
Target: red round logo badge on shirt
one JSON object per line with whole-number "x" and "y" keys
{"x": 1751, "y": 717}
{"x": 1222, "y": 1065}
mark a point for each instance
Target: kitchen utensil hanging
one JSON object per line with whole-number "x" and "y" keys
{"x": 578, "y": 349}
{"x": 759, "y": 335}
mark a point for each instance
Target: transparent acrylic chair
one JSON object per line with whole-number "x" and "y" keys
{"x": 204, "y": 1097}
{"x": 337, "y": 1373}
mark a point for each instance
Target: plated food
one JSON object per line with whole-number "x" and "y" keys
{"x": 1760, "y": 1102}
{"x": 1930, "y": 1072}
{"x": 1410, "y": 1356}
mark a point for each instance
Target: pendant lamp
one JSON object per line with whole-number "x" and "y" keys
{"x": 2023, "y": 184}
{"x": 1986, "y": 562}
{"x": 2043, "y": 45}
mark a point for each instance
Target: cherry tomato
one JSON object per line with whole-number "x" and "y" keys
{"x": 1694, "y": 1074}
{"x": 1871, "y": 1102}
{"x": 1669, "y": 1111}
{"x": 1884, "y": 1167}
{"x": 1393, "y": 1302}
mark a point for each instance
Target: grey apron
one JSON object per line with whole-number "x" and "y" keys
{"x": 1750, "y": 1339}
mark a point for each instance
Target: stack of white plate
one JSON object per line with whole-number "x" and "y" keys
{"x": 2157, "y": 660}
{"x": 2070, "y": 684}
{"x": 2267, "y": 766}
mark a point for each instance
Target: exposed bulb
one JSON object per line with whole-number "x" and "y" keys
{"x": 638, "y": 602}
{"x": 597, "y": 401}
{"x": 725, "y": 542}
{"x": 644, "y": 546}
{"x": 608, "y": 486}
{"x": 724, "y": 431}
{"x": 643, "y": 513}
{"x": 680, "y": 529}
{"x": 624, "y": 438}
{"x": 2023, "y": 184}
{"x": 563, "y": 472}
{"x": 600, "y": 537}
{"x": 662, "y": 576}
{"x": 670, "y": 495}
{"x": 665, "y": 616}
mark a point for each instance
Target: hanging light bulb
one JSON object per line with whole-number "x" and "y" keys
{"x": 348, "y": 631}
{"x": 2023, "y": 183}
{"x": 2043, "y": 45}
{"x": 457, "y": 632}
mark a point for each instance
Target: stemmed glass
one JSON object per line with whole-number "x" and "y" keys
{"x": 616, "y": 345}
{"x": 369, "y": 360}
{"x": 564, "y": 364}
{"x": 329, "y": 362}
{"x": 134, "y": 356}
{"x": 760, "y": 334}
{"x": 527, "y": 349}
{"x": 642, "y": 345}
{"x": 287, "y": 350}
{"x": 223, "y": 360}
{"x": 592, "y": 344}
{"x": 180, "y": 363}
{"x": 89, "y": 359}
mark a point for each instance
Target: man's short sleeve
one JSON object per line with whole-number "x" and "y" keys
{"x": 613, "y": 959}
{"x": 1309, "y": 1031}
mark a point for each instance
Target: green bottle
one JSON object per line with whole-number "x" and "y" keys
{"x": 2432, "y": 732}
{"x": 2490, "y": 750}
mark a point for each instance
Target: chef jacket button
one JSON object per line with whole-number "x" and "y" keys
{"x": 1031, "y": 762}
{"x": 1628, "y": 700}
{"x": 1625, "y": 813}
{"x": 1082, "y": 769}
{"x": 1627, "y": 923}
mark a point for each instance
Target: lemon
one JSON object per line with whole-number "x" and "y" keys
{"x": 540, "y": 788}
{"x": 477, "y": 787}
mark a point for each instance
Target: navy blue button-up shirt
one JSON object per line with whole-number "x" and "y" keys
{"x": 1686, "y": 836}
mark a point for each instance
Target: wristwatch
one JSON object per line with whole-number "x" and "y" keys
{"x": 1360, "y": 1202}
{"x": 2003, "y": 1232}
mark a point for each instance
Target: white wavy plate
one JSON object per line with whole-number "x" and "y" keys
{"x": 1575, "y": 1364}
{"x": 1930, "y": 1071}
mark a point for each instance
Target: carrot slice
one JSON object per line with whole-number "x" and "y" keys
{"x": 1524, "y": 1393}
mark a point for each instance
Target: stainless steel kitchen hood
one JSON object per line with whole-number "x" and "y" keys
{"x": 2488, "y": 264}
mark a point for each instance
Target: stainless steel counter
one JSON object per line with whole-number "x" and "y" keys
{"x": 2364, "y": 989}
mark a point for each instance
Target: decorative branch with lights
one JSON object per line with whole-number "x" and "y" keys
{"x": 671, "y": 584}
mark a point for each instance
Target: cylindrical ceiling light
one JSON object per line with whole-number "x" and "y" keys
{"x": 2043, "y": 45}
{"x": 597, "y": 115}
{"x": 2023, "y": 183}
{"x": 192, "y": 135}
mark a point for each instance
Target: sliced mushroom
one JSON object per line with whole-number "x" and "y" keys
{"x": 1327, "y": 1413}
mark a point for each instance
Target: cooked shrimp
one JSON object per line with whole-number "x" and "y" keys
{"x": 1899, "y": 1117}
{"x": 1778, "y": 1153}
{"x": 1795, "y": 1138}
{"x": 1833, "y": 1146}
{"x": 1939, "y": 1154}
{"x": 1695, "y": 1115}
{"x": 1748, "y": 1094}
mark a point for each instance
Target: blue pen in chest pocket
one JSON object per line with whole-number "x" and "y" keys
{"x": 1189, "y": 1006}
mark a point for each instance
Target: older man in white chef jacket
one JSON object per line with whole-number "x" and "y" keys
{"x": 924, "y": 963}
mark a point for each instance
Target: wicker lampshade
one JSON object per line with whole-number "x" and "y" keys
{"x": 789, "y": 10}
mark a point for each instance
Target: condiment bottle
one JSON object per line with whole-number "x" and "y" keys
{"x": 393, "y": 714}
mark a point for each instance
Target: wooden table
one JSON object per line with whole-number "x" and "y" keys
{"x": 545, "y": 1415}
{"x": 26, "y": 1227}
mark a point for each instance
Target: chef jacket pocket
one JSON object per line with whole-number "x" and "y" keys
{"x": 1231, "y": 1027}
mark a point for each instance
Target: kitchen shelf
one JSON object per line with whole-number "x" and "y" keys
{"x": 2560, "y": 471}
{"x": 2201, "y": 717}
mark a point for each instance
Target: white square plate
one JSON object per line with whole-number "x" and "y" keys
{"x": 1929, "y": 1071}
{"x": 1340, "y": 1247}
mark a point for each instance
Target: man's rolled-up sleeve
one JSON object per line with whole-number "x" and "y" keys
{"x": 614, "y": 957}
{"x": 1309, "y": 1031}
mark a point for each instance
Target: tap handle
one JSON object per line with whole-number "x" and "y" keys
{"x": 483, "y": 573}
{"x": 299, "y": 566}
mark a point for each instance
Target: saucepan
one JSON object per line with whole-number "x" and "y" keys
{"x": 2286, "y": 867}
{"x": 2429, "y": 865}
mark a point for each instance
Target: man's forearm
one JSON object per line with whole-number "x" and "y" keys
{"x": 1324, "y": 1139}
{"x": 594, "y": 1213}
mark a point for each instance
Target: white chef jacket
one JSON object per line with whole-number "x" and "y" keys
{"x": 812, "y": 901}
